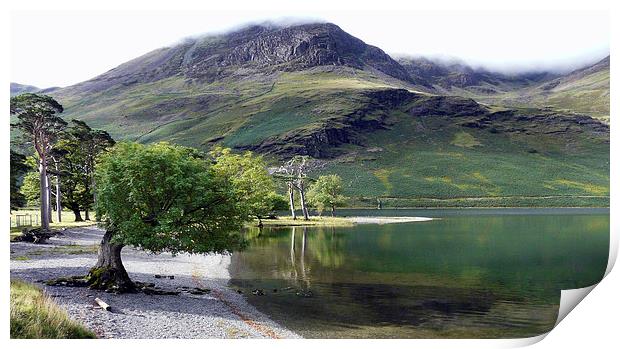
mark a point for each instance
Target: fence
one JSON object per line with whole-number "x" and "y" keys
{"x": 22, "y": 220}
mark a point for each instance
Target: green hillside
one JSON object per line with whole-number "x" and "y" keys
{"x": 584, "y": 91}
{"x": 386, "y": 133}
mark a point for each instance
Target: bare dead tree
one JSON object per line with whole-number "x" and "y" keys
{"x": 295, "y": 173}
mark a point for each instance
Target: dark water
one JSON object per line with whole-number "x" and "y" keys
{"x": 472, "y": 273}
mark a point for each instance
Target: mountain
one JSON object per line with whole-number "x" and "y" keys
{"x": 17, "y": 89}
{"x": 444, "y": 76}
{"x": 388, "y": 129}
{"x": 585, "y": 90}
{"x": 258, "y": 49}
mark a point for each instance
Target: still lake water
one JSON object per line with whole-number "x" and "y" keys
{"x": 488, "y": 273}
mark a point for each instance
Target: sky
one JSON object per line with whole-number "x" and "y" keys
{"x": 61, "y": 48}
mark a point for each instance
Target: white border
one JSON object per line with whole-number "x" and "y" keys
{"x": 595, "y": 321}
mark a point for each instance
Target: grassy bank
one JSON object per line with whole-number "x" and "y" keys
{"x": 35, "y": 315}
{"x": 68, "y": 220}
{"x": 288, "y": 221}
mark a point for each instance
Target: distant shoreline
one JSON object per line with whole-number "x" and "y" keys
{"x": 387, "y": 220}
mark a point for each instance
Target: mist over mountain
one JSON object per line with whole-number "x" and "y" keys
{"x": 256, "y": 49}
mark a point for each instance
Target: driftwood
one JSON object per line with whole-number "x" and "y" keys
{"x": 102, "y": 304}
{"x": 36, "y": 235}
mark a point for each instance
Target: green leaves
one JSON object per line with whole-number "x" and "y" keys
{"x": 18, "y": 169}
{"x": 163, "y": 197}
{"x": 38, "y": 119}
{"x": 326, "y": 192}
{"x": 73, "y": 157}
{"x": 251, "y": 181}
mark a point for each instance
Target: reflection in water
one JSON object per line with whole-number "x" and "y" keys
{"x": 296, "y": 276}
{"x": 462, "y": 276}
{"x": 303, "y": 283}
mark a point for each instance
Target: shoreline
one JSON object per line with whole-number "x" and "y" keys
{"x": 387, "y": 220}
{"x": 220, "y": 313}
{"x": 339, "y": 221}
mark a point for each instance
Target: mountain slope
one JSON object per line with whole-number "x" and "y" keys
{"x": 585, "y": 90}
{"x": 256, "y": 50}
{"x": 17, "y": 89}
{"x": 445, "y": 77}
{"x": 313, "y": 89}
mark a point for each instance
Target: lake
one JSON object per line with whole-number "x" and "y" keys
{"x": 470, "y": 273}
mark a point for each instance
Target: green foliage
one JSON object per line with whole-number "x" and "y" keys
{"x": 31, "y": 189}
{"x": 73, "y": 158}
{"x": 164, "y": 197}
{"x": 326, "y": 192}
{"x": 252, "y": 183}
{"x": 35, "y": 316}
{"x": 38, "y": 119}
{"x": 277, "y": 202}
{"x": 18, "y": 169}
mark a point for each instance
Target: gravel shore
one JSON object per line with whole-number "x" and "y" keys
{"x": 220, "y": 313}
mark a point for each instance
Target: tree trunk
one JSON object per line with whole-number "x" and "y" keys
{"x": 87, "y": 184}
{"x": 109, "y": 274}
{"x": 302, "y": 196}
{"x": 49, "y": 197}
{"x": 333, "y": 210}
{"x": 94, "y": 183}
{"x": 58, "y": 200}
{"x": 45, "y": 219}
{"x": 78, "y": 216}
{"x": 291, "y": 200}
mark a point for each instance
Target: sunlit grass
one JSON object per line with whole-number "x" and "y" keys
{"x": 68, "y": 221}
{"x": 35, "y": 315}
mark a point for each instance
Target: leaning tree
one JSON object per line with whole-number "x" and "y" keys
{"x": 160, "y": 198}
{"x": 40, "y": 126}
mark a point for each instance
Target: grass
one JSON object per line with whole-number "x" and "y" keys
{"x": 288, "y": 221}
{"x": 21, "y": 258}
{"x": 423, "y": 164}
{"x": 467, "y": 202}
{"x": 59, "y": 250}
{"x": 464, "y": 140}
{"x": 35, "y": 315}
{"x": 68, "y": 221}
